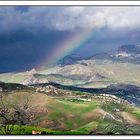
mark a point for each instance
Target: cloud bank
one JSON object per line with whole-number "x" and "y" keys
{"x": 68, "y": 18}
{"x": 29, "y": 34}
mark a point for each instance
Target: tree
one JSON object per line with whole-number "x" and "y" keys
{"x": 11, "y": 118}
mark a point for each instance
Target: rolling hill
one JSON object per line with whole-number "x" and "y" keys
{"x": 97, "y": 95}
{"x": 76, "y": 112}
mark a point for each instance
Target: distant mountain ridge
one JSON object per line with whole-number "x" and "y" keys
{"x": 128, "y": 53}
{"x": 124, "y": 53}
{"x": 70, "y": 59}
{"x": 132, "y": 49}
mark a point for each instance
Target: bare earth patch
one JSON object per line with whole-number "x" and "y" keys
{"x": 129, "y": 118}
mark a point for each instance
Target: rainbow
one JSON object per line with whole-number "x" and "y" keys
{"x": 69, "y": 45}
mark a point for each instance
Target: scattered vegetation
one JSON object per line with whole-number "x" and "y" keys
{"x": 20, "y": 115}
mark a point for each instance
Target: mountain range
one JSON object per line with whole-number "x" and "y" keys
{"x": 95, "y": 95}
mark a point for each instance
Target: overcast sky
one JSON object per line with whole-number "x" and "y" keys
{"x": 68, "y": 18}
{"x": 27, "y": 34}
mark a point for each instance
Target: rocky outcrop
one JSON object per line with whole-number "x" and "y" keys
{"x": 31, "y": 72}
{"x": 33, "y": 80}
{"x": 52, "y": 91}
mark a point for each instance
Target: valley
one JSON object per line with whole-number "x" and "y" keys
{"x": 89, "y": 96}
{"x": 63, "y": 111}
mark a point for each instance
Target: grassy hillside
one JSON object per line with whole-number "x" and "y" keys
{"x": 99, "y": 73}
{"x": 86, "y": 73}
{"x": 76, "y": 115}
{"x": 13, "y": 77}
{"x": 59, "y": 79}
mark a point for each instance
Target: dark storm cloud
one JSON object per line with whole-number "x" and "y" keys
{"x": 27, "y": 34}
{"x": 24, "y": 50}
{"x": 109, "y": 41}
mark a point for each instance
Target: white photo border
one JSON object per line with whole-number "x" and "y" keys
{"x": 70, "y": 3}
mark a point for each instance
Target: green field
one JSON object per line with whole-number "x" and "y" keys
{"x": 66, "y": 116}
